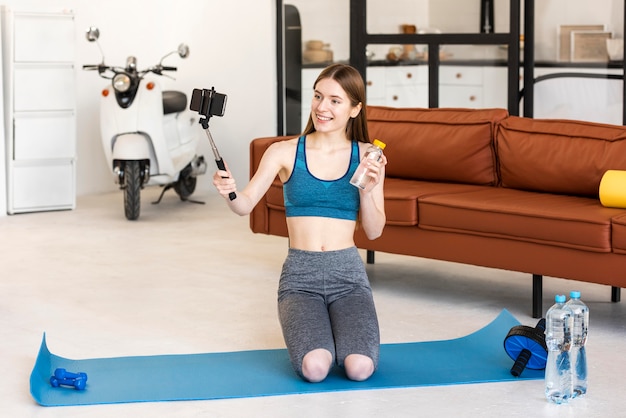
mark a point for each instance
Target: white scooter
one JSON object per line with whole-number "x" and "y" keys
{"x": 147, "y": 134}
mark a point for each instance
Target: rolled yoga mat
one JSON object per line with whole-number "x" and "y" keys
{"x": 613, "y": 189}
{"x": 476, "y": 358}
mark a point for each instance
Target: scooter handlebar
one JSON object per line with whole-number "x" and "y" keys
{"x": 158, "y": 70}
{"x": 101, "y": 68}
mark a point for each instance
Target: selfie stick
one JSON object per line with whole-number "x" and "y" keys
{"x": 210, "y": 103}
{"x": 218, "y": 158}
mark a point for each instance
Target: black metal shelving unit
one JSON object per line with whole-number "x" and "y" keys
{"x": 359, "y": 39}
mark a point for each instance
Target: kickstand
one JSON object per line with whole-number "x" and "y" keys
{"x": 166, "y": 188}
{"x": 193, "y": 201}
{"x": 169, "y": 186}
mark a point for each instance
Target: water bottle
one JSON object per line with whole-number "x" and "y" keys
{"x": 360, "y": 178}
{"x": 558, "y": 340}
{"x": 578, "y": 356}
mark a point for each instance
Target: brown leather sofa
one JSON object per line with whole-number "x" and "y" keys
{"x": 480, "y": 187}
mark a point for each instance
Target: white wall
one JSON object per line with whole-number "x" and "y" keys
{"x": 232, "y": 47}
{"x": 3, "y": 177}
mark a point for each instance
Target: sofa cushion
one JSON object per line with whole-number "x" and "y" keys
{"x": 558, "y": 156}
{"x": 556, "y": 220}
{"x": 401, "y": 197}
{"x": 618, "y": 236}
{"x": 452, "y": 145}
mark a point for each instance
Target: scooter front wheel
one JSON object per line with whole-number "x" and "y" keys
{"x": 132, "y": 189}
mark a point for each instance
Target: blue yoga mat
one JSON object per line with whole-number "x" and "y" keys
{"x": 476, "y": 358}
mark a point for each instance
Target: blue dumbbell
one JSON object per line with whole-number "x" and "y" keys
{"x": 64, "y": 378}
{"x": 64, "y": 374}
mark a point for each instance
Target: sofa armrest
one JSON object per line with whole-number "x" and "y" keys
{"x": 260, "y": 217}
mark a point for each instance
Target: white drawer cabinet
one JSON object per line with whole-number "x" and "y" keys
{"x": 406, "y": 86}
{"x": 453, "y": 75}
{"x": 42, "y": 186}
{"x": 461, "y": 96}
{"x": 57, "y": 142}
{"x": 39, "y": 110}
{"x": 40, "y": 38}
{"x": 460, "y": 86}
{"x": 375, "y": 84}
{"x": 38, "y": 88}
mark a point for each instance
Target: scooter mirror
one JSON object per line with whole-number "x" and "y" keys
{"x": 183, "y": 50}
{"x": 92, "y": 34}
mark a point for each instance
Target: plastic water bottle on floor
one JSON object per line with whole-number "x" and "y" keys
{"x": 558, "y": 340}
{"x": 578, "y": 355}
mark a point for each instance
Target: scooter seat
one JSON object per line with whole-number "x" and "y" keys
{"x": 174, "y": 101}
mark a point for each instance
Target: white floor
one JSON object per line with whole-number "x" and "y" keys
{"x": 188, "y": 278}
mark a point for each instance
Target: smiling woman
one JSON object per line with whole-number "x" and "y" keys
{"x": 325, "y": 301}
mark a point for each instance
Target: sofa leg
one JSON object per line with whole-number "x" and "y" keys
{"x": 370, "y": 257}
{"x": 537, "y": 295}
{"x": 616, "y": 293}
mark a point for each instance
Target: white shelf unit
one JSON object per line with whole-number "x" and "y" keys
{"x": 38, "y": 52}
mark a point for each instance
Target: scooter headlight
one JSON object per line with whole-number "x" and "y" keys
{"x": 121, "y": 83}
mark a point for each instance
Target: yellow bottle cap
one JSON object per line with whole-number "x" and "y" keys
{"x": 380, "y": 144}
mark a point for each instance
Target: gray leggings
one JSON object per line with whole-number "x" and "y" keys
{"x": 325, "y": 301}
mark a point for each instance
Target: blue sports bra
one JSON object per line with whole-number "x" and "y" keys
{"x": 306, "y": 195}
